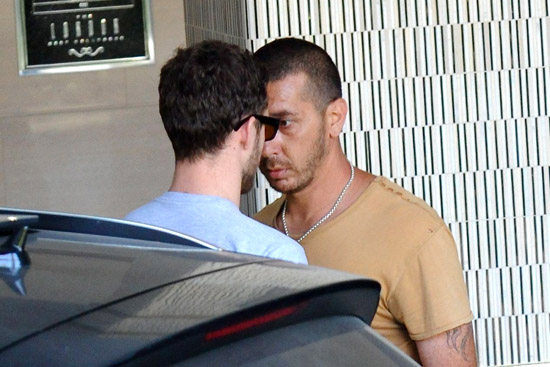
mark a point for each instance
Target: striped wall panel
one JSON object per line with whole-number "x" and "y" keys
{"x": 213, "y": 19}
{"x": 450, "y": 99}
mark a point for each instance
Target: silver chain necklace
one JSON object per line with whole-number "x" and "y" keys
{"x": 330, "y": 212}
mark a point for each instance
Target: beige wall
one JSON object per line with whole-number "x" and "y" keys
{"x": 86, "y": 142}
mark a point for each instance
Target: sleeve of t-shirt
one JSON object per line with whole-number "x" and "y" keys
{"x": 431, "y": 295}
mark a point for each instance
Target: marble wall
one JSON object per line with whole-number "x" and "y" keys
{"x": 85, "y": 142}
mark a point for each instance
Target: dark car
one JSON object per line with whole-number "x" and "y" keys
{"x": 87, "y": 291}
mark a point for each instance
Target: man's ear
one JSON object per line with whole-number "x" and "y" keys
{"x": 247, "y": 133}
{"x": 335, "y": 115}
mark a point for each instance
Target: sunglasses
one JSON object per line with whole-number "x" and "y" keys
{"x": 271, "y": 125}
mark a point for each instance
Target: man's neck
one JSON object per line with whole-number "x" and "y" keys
{"x": 314, "y": 201}
{"x": 307, "y": 207}
{"x": 213, "y": 176}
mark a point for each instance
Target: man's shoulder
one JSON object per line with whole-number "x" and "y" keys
{"x": 393, "y": 198}
{"x": 144, "y": 212}
{"x": 395, "y": 215}
{"x": 177, "y": 210}
{"x": 274, "y": 243}
{"x": 264, "y": 232}
{"x": 220, "y": 223}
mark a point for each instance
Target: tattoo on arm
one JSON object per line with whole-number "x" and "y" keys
{"x": 458, "y": 340}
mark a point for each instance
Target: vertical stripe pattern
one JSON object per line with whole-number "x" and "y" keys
{"x": 224, "y": 20}
{"x": 450, "y": 99}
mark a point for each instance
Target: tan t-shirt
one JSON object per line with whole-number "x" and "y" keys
{"x": 391, "y": 236}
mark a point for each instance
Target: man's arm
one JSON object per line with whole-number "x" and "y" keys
{"x": 451, "y": 348}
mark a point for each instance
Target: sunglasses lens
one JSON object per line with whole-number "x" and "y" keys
{"x": 270, "y": 132}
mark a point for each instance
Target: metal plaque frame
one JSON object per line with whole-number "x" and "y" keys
{"x": 60, "y": 36}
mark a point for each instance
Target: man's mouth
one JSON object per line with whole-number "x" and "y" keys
{"x": 272, "y": 170}
{"x": 276, "y": 173}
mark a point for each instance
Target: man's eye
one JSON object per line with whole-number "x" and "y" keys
{"x": 285, "y": 123}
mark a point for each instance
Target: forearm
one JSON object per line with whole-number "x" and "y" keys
{"x": 454, "y": 347}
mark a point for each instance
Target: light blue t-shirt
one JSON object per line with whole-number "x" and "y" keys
{"x": 219, "y": 222}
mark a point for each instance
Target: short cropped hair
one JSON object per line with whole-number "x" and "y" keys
{"x": 204, "y": 91}
{"x": 286, "y": 56}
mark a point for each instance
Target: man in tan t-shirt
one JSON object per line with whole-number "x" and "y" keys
{"x": 351, "y": 220}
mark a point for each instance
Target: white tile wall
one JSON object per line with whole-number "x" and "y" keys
{"x": 462, "y": 120}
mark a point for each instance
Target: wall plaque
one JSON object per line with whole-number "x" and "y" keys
{"x": 72, "y": 35}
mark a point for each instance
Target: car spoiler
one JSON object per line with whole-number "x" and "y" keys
{"x": 44, "y": 220}
{"x": 355, "y": 297}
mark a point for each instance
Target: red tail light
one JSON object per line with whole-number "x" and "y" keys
{"x": 247, "y": 324}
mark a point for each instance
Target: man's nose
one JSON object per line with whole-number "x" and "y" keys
{"x": 272, "y": 147}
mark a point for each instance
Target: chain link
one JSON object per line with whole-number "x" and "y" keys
{"x": 331, "y": 211}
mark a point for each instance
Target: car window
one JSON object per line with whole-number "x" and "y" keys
{"x": 332, "y": 341}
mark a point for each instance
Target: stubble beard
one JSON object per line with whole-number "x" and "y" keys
{"x": 305, "y": 173}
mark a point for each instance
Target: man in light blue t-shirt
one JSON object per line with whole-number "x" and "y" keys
{"x": 212, "y": 95}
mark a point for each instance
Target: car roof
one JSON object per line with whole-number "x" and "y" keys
{"x": 129, "y": 296}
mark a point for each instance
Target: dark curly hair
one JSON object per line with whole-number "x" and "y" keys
{"x": 204, "y": 91}
{"x": 286, "y": 56}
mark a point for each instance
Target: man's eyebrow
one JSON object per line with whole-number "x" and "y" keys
{"x": 281, "y": 113}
